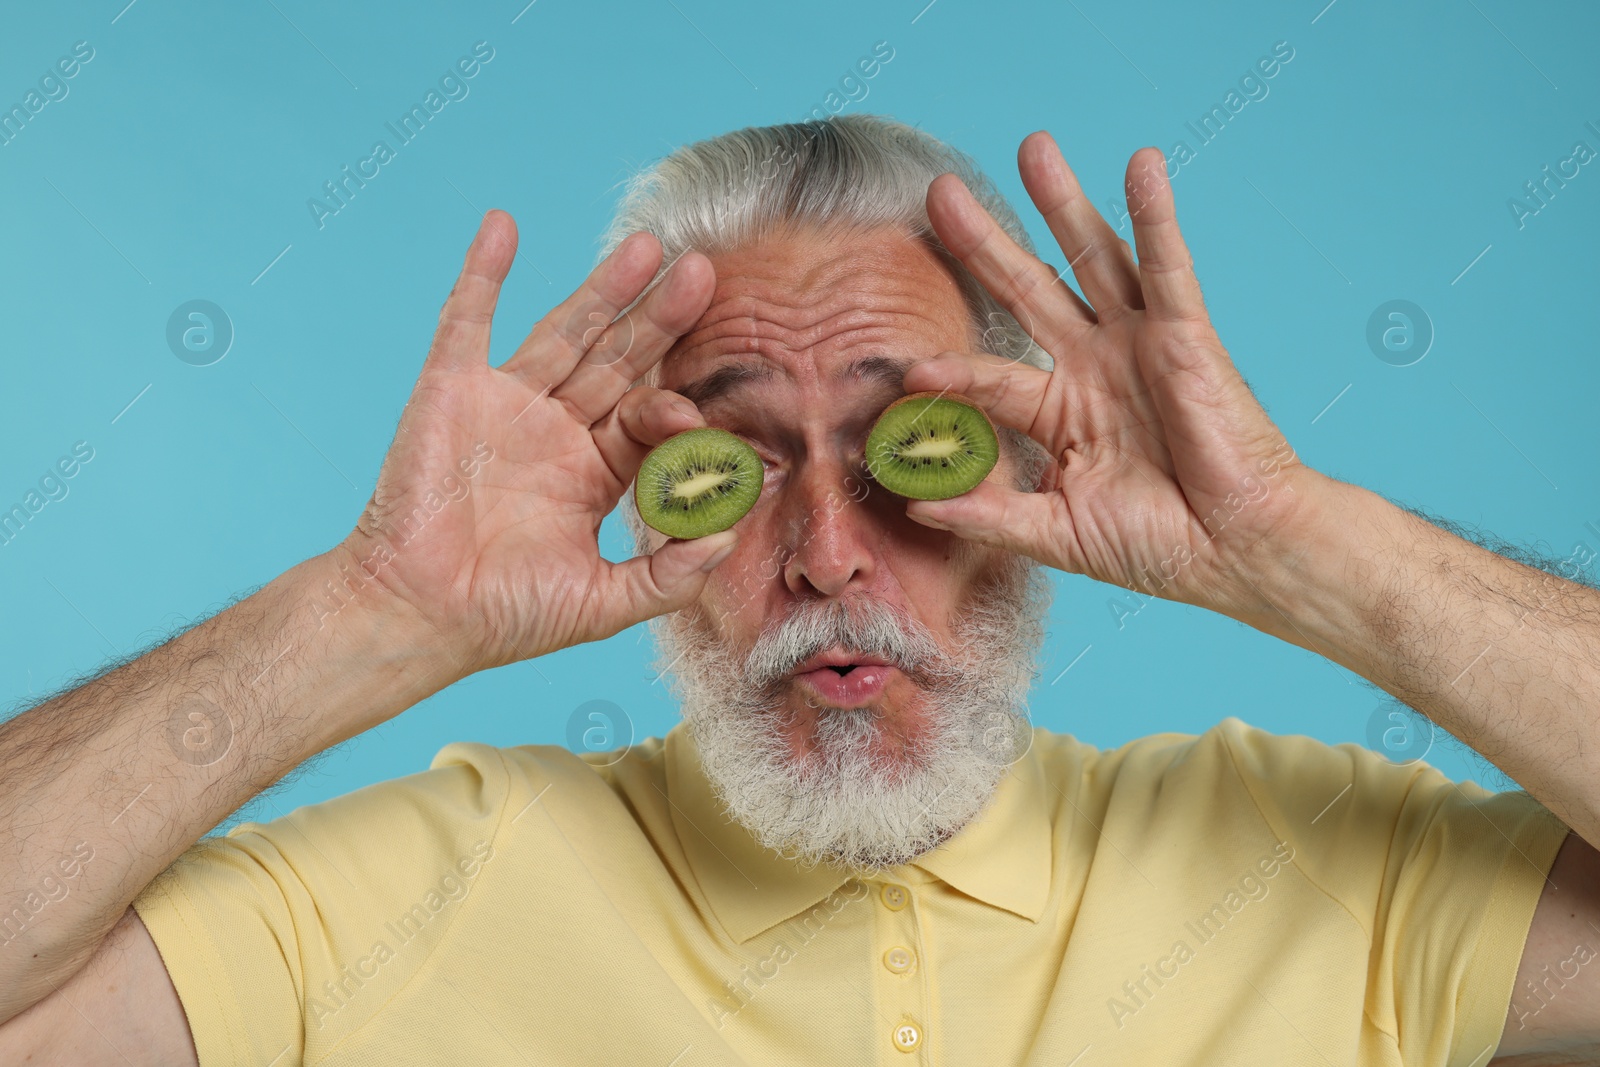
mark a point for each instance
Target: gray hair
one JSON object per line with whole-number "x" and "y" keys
{"x": 852, "y": 173}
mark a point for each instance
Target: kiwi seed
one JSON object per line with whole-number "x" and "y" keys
{"x": 697, "y": 482}
{"x": 932, "y": 446}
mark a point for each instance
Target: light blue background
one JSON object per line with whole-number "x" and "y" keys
{"x": 178, "y": 167}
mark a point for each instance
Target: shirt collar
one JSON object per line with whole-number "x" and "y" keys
{"x": 1002, "y": 858}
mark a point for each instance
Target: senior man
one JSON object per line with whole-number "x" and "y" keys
{"x": 854, "y": 849}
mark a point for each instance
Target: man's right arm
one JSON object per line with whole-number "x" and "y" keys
{"x": 106, "y": 785}
{"x": 478, "y": 548}
{"x": 120, "y": 1010}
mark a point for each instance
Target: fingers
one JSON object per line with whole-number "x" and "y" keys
{"x": 463, "y": 335}
{"x": 1030, "y": 524}
{"x": 1014, "y": 394}
{"x": 673, "y": 575}
{"x": 557, "y": 341}
{"x": 636, "y": 342}
{"x": 1166, "y": 270}
{"x": 1026, "y": 287}
{"x": 579, "y": 353}
{"x": 1099, "y": 259}
{"x": 642, "y": 419}
{"x": 668, "y": 579}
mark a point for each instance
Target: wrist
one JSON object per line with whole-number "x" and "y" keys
{"x": 383, "y": 651}
{"x": 1313, "y": 581}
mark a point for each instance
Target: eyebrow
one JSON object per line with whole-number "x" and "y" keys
{"x": 724, "y": 380}
{"x": 887, "y": 370}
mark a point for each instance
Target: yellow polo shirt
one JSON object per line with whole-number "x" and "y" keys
{"x": 1236, "y": 897}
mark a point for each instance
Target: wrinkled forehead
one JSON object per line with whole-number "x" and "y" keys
{"x": 816, "y": 306}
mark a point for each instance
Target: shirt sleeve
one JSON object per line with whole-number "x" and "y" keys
{"x": 1443, "y": 875}
{"x": 283, "y": 937}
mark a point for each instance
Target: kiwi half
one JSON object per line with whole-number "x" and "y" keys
{"x": 697, "y": 483}
{"x": 932, "y": 446}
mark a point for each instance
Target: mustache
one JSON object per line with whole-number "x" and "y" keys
{"x": 860, "y": 626}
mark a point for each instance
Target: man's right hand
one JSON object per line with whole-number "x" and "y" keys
{"x": 488, "y": 506}
{"x": 135, "y": 765}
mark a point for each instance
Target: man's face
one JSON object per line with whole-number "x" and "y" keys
{"x": 854, "y": 648}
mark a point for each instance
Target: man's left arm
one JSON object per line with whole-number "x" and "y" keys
{"x": 1170, "y": 478}
{"x": 1503, "y": 655}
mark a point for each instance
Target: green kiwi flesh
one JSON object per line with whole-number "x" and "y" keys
{"x": 697, "y": 483}
{"x": 931, "y": 446}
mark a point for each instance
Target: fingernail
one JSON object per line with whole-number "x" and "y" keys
{"x": 926, "y": 521}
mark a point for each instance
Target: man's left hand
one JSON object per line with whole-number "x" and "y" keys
{"x": 1169, "y": 475}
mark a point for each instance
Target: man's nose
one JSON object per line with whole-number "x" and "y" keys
{"x": 833, "y": 537}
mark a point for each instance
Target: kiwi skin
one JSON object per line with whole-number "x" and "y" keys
{"x": 724, "y": 513}
{"x": 957, "y": 398}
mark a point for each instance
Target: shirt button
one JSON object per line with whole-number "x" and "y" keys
{"x": 898, "y": 959}
{"x": 893, "y": 896}
{"x": 907, "y": 1037}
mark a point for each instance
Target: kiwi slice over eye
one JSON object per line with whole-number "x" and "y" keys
{"x": 932, "y": 446}
{"x": 697, "y": 483}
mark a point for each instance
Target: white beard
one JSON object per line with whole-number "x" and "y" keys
{"x": 844, "y": 803}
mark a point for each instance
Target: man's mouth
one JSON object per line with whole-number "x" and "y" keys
{"x": 845, "y": 679}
